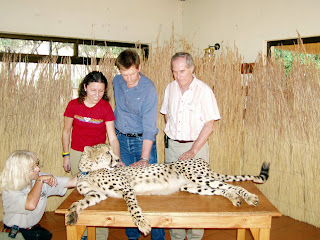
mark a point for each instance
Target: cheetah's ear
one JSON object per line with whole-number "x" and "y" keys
{"x": 88, "y": 150}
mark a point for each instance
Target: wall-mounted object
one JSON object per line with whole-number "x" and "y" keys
{"x": 210, "y": 50}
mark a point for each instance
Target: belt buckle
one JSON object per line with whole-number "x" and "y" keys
{"x": 133, "y": 134}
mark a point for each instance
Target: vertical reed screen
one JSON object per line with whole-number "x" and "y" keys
{"x": 269, "y": 115}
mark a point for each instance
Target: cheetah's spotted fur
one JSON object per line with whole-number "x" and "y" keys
{"x": 100, "y": 179}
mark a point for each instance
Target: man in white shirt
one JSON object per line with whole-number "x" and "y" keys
{"x": 190, "y": 110}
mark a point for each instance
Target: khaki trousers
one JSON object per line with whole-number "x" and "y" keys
{"x": 175, "y": 150}
{"x": 172, "y": 153}
{"x": 74, "y": 161}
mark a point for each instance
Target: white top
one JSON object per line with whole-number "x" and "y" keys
{"x": 188, "y": 113}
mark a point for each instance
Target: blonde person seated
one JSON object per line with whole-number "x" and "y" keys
{"x": 24, "y": 196}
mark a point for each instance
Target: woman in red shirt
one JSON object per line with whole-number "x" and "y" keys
{"x": 90, "y": 119}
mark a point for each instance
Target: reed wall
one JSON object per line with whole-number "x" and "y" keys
{"x": 266, "y": 116}
{"x": 31, "y": 112}
{"x": 282, "y": 126}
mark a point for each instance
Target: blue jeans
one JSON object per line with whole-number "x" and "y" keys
{"x": 131, "y": 148}
{"x": 130, "y": 151}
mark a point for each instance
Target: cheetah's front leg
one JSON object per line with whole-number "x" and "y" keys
{"x": 135, "y": 211}
{"x": 90, "y": 199}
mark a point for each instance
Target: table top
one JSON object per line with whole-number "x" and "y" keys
{"x": 180, "y": 204}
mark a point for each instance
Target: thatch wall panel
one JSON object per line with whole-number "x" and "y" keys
{"x": 281, "y": 127}
{"x": 269, "y": 115}
{"x": 226, "y": 143}
{"x": 31, "y": 113}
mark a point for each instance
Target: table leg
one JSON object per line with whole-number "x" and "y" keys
{"x": 241, "y": 234}
{"x": 91, "y": 233}
{"x": 260, "y": 234}
{"x": 264, "y": 234}
{"x": 75, "y": 232}
{"x": 255, "y": 233}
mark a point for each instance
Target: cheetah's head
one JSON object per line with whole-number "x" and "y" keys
{"x": 97, "y": 157}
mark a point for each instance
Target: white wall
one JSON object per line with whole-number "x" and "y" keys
{"x": 121, "y": 20}
{"x": 248, "y": 23}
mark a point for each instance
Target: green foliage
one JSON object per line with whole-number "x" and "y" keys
{"x": 288, "y": 58}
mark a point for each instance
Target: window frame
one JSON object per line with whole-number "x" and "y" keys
{"x": 292, "y": 41}
{"x": 75, "y": 59}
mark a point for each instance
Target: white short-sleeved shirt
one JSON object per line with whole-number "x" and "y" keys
{"x": 188, "y": 113}
{"x": 14, "y": 204}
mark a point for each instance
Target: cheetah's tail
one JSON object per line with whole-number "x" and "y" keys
{"x": 264, "y": 173}
{"x": 262, "y": 178}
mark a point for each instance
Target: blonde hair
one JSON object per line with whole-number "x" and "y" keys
{"x": 16, "y": 173}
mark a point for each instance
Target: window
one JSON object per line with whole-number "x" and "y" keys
{"x": 33, "y": 49}
{"x": 81, "y": 51}
{"x": 286, "y": 50}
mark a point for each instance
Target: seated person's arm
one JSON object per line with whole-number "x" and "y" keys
{"x": 72, "y": 182}
{"x": 34, "y": 195}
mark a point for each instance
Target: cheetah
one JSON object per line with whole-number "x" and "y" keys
{"x": 100, "y": 178}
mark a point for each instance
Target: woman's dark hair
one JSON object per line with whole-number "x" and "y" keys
{"x": 93, "y": 76}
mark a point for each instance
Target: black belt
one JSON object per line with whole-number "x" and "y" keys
{"x": 129, "y": 134}
{"x": 179, "y": 141}
{"x": 182, "y": 141}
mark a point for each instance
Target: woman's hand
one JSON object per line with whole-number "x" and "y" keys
{"x": 48, "y": 179}
{"x": 66, "y": 163}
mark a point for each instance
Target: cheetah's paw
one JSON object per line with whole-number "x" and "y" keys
{"x": 236, "y": 201}
{"x": 144, "y": 226}
{"x": 72, "y": 217}
{"x": 252, "y": 200}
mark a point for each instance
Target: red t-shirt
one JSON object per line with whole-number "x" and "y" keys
{"x": 88, "y": 127}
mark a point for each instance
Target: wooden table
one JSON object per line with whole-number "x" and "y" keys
{"x": 178, "y": 210}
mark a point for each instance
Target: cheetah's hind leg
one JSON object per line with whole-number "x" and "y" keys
{"x": 206, "y": 190}
{"x": 249, "y": 197}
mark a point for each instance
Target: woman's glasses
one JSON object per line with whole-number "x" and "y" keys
{"x": 37, "y": 166}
